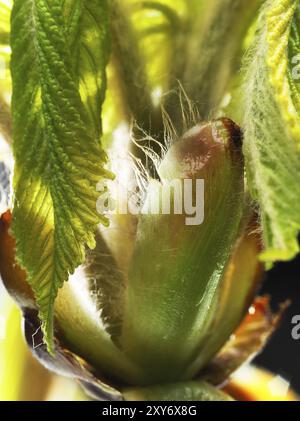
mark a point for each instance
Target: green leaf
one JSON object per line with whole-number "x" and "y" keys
{"x": 130, "y": 65}
{"x": 272, "y": 129}
{"x": 240, "y": 282}
{"x": 188, "y": 392}
{"x": 213, "y": 50}
{"x": 87, "y": 28}
{"x": 58, "y": 157}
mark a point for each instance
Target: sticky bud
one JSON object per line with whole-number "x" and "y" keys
{"x": 174, "y": 282}
{"x": 199, "y": 151}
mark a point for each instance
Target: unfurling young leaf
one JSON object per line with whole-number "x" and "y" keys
{"x": 272, "y": 128}
{"x": 57, "y": 126}
{"x": 213, "y": 50}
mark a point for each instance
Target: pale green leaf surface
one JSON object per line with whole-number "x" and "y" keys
{"x": 87, "y": 30}
{"x": 272, "y": 130}
{"x": 58, "y": 157}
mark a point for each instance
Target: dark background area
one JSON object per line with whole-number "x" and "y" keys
{"x": 282, "y": 354}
